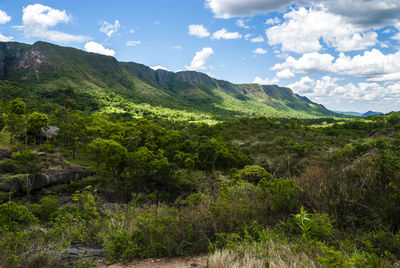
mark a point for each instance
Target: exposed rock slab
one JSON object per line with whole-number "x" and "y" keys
{"x": 42, "y": 180}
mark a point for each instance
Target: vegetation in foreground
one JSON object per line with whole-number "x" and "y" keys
{"x": 261, "y": 192}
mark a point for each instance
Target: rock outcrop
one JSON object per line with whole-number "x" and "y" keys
{"x": 42, "y": 180}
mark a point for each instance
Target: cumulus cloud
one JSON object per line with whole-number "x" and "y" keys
{"x": 272, "y": 21}
{"x": 258, "y": 39}
{"x": 308, "y": 63}
{"x": 4, "y": 38}
{"x": 224, "y": 34}
{"x": 242, "y": 24}
{"x": 266, "y": 81}
{"x": 132, "y": 43}
{"x": 329, "y": 91}
{"x": 366, "y": 13}
{"x": 200, "y": 60}
{"x": 259, "y": 51}
{"x": 110, "y": 29}
{"x": 304, "y": 28}
{"x": 284, "y": 74}
{"x": 4, "y": 18}
{"x": 98, "y": 48}
{"x": 373, "y": 65}
{"x": 39, "y": 19}
{"x": 239, "y": 8}
{"x": 159, "y": 67}
{"x": 198, "y": 30}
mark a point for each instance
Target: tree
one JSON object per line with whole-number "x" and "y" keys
{"x": 109, "y": 156}
{"x": 17, "y": 106}
{"x": 36, "y": 121}
{"x": 15, "y": 118}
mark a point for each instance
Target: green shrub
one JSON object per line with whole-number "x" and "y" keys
{"x": 314, "y": 226}
{"x": 14, "y": 216}
{"x": 252, "y": 173}
{"x": 47, "y": 209}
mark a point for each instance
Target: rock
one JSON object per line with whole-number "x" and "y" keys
{"x": 77, "y": 251}
{"x": 40, "y": 180}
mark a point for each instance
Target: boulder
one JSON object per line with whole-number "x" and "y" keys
{"x": 42, "y": 180}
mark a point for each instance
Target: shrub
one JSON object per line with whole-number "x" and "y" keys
{"x": 314, "y": 226}
{"x": 47, "y": 209}
{"x": 14, "y": 216}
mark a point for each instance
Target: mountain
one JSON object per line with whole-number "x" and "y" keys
{"x": 47, "y": 72}
{"x": 349, "y": 113}
{"x": 370, "y": 113}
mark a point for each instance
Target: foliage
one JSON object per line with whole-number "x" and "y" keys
{"x": 314, "y": 226}
{"x": 14, "y": 216}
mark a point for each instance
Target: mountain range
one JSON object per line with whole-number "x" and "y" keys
{"x": 45, "y": 72}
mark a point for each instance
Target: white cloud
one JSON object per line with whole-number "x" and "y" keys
{"x": 38, "y": 19}
{"x": 131, "y": 31}
{"x": 198, "y": 30}
{"x": 272, "y": 21}
{"x": 396, "y": 36}
{"x": 224, "y": 34}
{"x": 365, "y": 13}
{"x": 178, "y": 47}
{"x": 284, "y": 74}
{"x": 308, "y": 63}
{"x": 132, "y": 43}
{"x": 200, "y": 60}
{"x": 239, "y": 8}
{"x": 4, "y": 18}
{"x": 110, "y": 29}
{"x": 242, "y": 24}
{"x": 266, "y": 81}
{"x": 98, "y": 48}
{"x": 386, "y": 77}
{"x": 373, "y": 65}
{"x": 304, "y": 28}
{"x": 247, "y": 36}
{"x": 257, "y": 39}
{"x": 159, "y": 67}
{"x": 5, "y": 38}
{"x": 304, "y": 85}
{"x": 328, "y": 91}
{"x": 259, "y": 51}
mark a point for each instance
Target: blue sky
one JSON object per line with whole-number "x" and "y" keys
{"x": 344, "y": 54}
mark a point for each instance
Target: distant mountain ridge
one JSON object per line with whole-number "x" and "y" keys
{"x": 369, "y": 113}
{"x": 48, "y": 69}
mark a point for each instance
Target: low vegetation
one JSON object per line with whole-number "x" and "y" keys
{"x": 251, "y": 192}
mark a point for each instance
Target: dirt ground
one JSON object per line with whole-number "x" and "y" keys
{"x": 188, "y": 262}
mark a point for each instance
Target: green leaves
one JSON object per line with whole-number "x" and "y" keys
{"x": 108, "y": 154}
{"x": 36, "y": 121}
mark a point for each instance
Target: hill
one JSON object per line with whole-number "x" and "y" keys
{"x": 370, "y": 113}
{"x": 46, "y": 72}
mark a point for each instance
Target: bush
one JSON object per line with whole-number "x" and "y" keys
{"x": 14, "y": 216}
{"x": 314, "y": 226}
{"x": 47, "y": 209}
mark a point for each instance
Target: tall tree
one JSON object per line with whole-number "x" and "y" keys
{"x": 36, "y": 121}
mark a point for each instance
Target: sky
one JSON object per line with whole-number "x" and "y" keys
{"x": 344, "y": 54}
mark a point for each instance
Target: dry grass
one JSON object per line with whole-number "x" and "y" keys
{"x": 259, "y": 256}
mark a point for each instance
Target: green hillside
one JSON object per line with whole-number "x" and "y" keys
{"x": 45, "y": 72}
